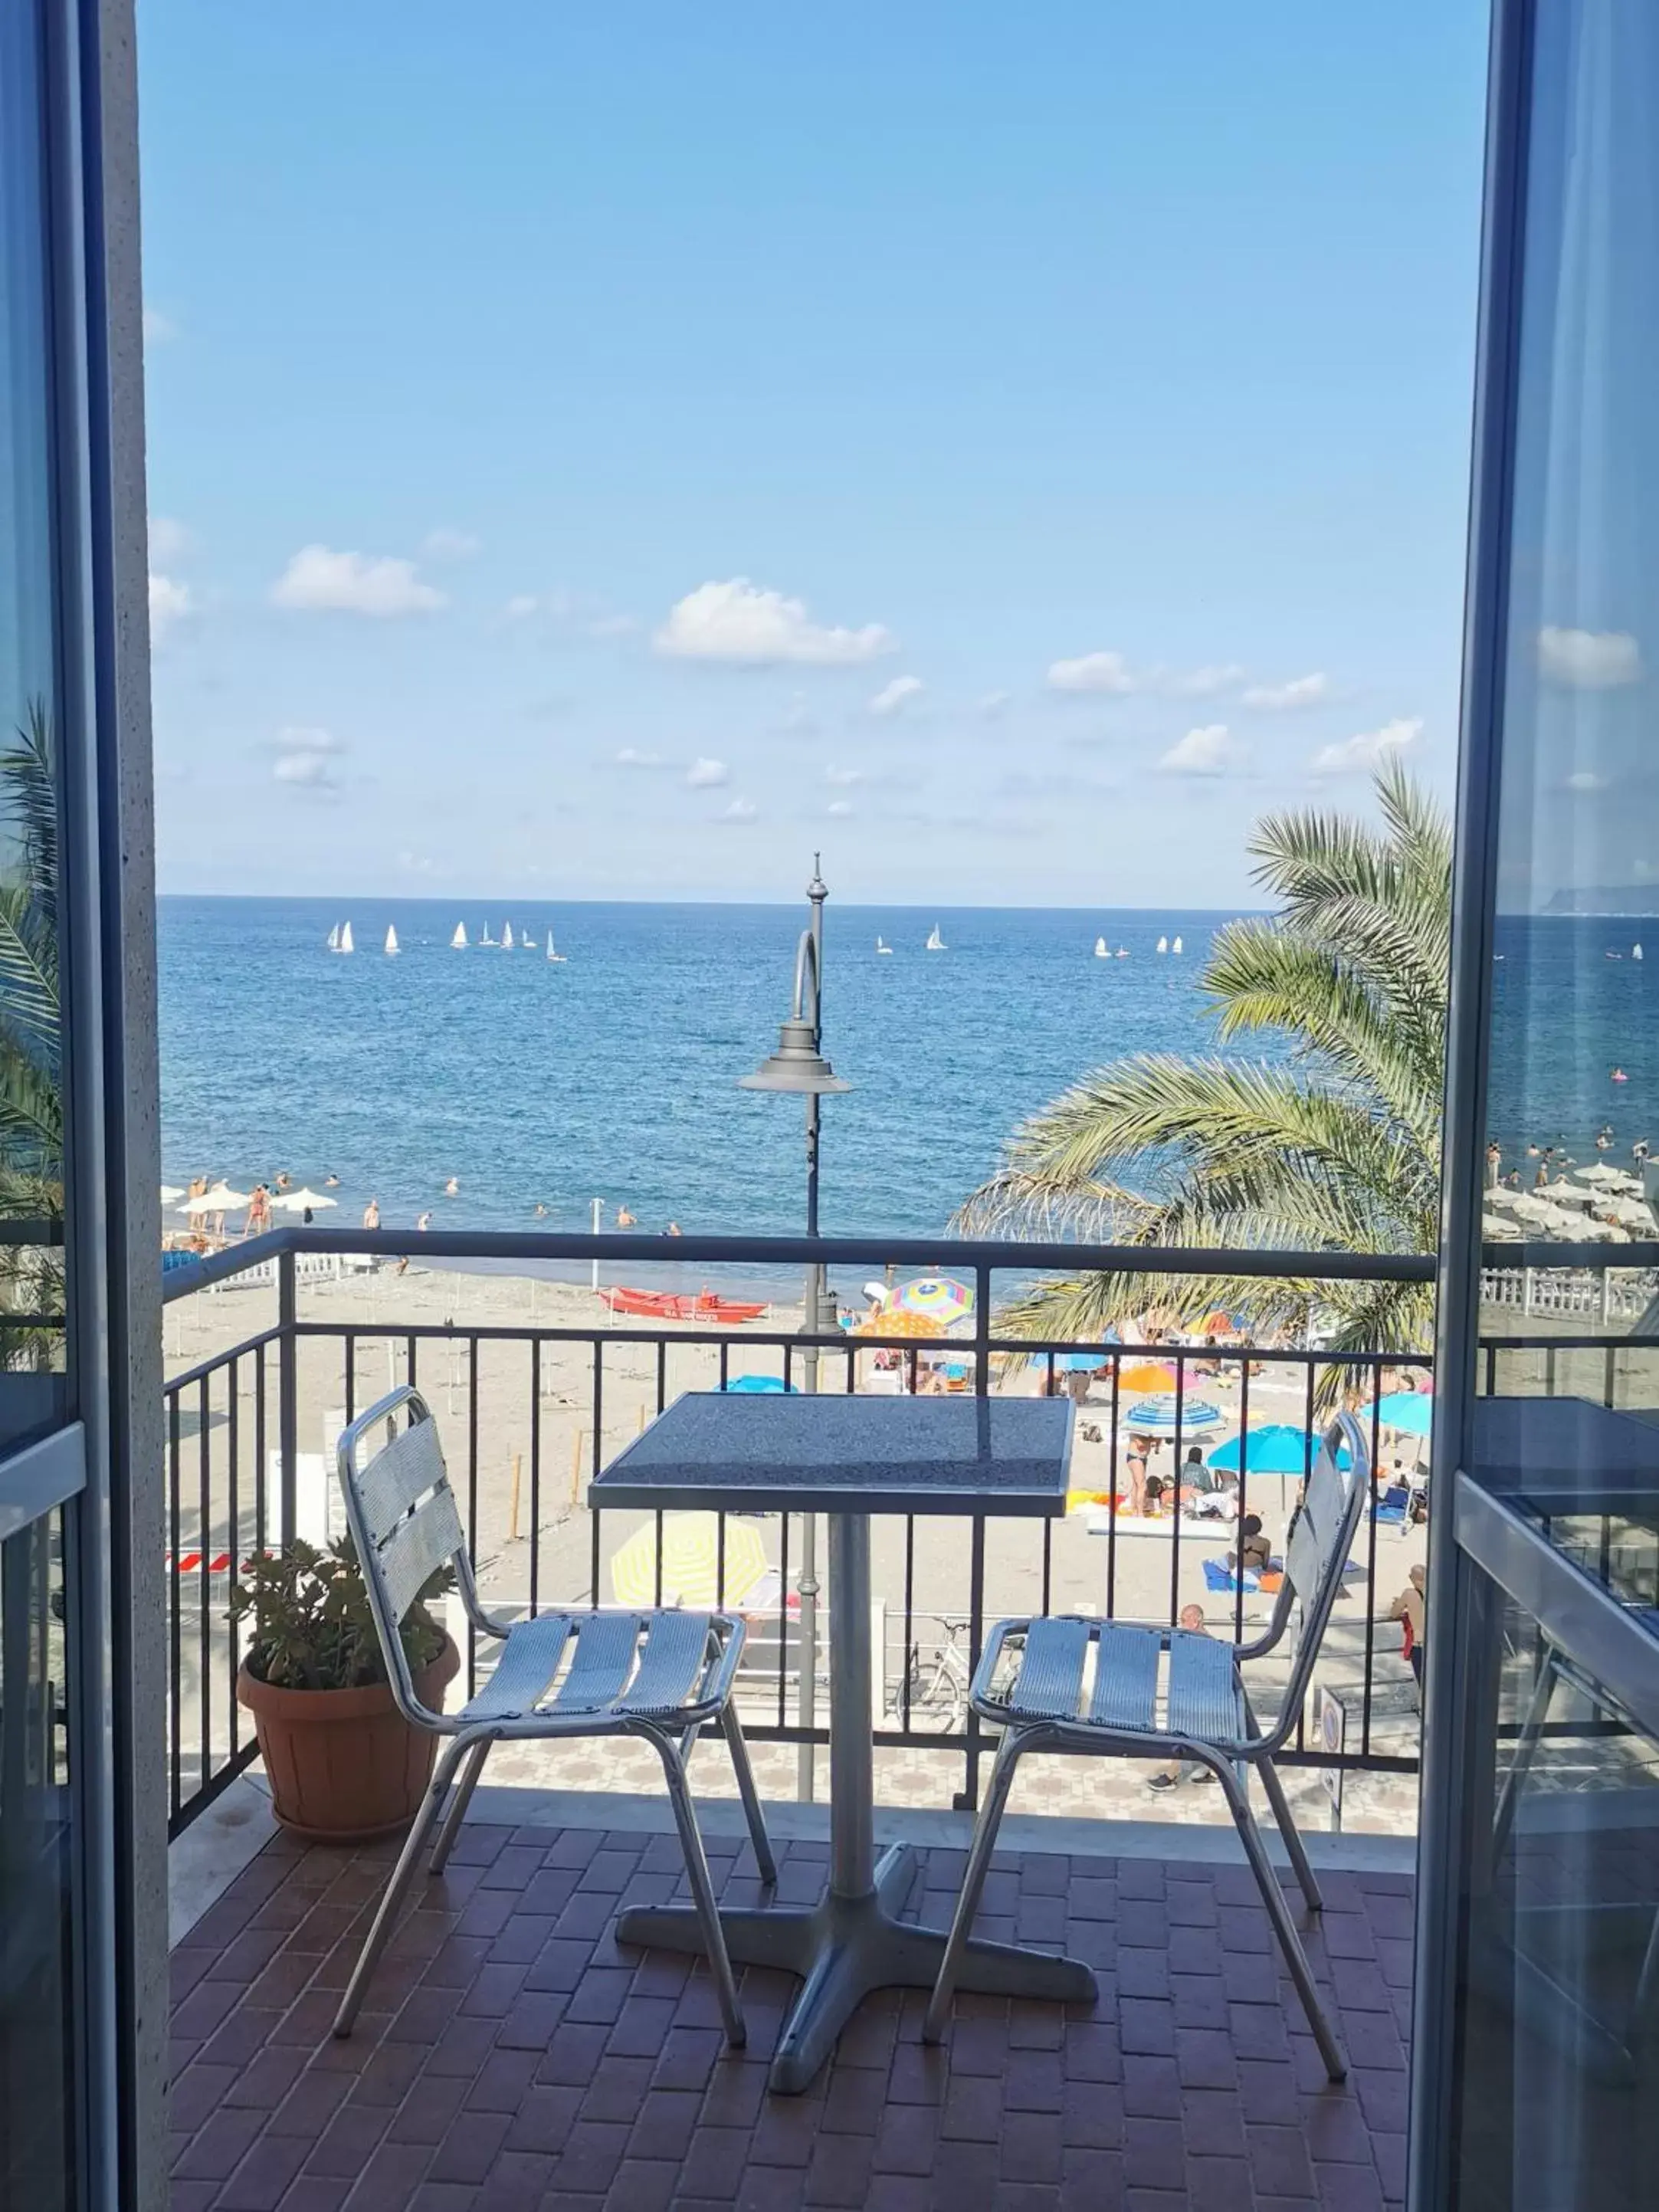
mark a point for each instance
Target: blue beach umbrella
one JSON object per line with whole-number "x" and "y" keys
{"x": 1157, "y": 1417}
{"x": 752, "y": 1385}
{"x": 1276, "y": 1448}
{"x": 1408, "y": 1411}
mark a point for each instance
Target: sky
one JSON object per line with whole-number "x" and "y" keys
{"x": 612, "y": 453}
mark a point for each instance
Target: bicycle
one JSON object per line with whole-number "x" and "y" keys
{"x": 936, "y": 1687}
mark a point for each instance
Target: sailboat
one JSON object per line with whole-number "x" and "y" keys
{"x": 935, "y": 942}
{"x": 551, "y": 954}
{"x": 882, "y": 945}
{"x": 506, "y": 937}
{"x": 484, "y": 937}
{"x": 1122, "y": 952}
{"x": 1102, "y": 951}
{"x": 1175, "y": 947}
{"x": 334, "y": 939}
{"x": 345, "y": 944}
{"x": 1636, "y": 952}
{"x": 527, "y": 942}
{"x": 1163, "y": 944}
{"x": 459, "y": 940}
{"x": 390, "y": 940}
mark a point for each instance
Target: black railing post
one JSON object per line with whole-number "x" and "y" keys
{"x": 967, "y": 1799}
{"x": 287, "y": 1397}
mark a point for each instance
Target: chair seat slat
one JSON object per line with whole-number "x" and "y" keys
{"x": 671, "y": 1663}
{"x": 1205, "y": 1698}
{"x": 606, "y": 1644}
{"x": 530, "y": 1659}
{"x": 1125, "y": 1695}
{"x": 1050, "y": 1682}
{"x": 418, "y": 1545}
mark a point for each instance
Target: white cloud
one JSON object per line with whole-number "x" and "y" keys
{"x": 1206, "y": 751}
{"x": 306, "y": 759}
{"x": 1587, "y": 780}
{"x": 159, "y": 329}
{"x": 845, "y": 776}
{"x": 1111, "y": 673}
{"x": 992, "y": 703}
{"x": 1589, "y": 660}
{"x": 740, "y": 811}
{"x": 443, "y": 544}
{"x": 354, "y": 583}
{"x": 170, "y": 601}
{"x": 167, "y": 538}
{"x": 840, "y": 808}
{"x": 708, "y": 774}
{"x": 892, "y": 698}
{"x": 1094, "y": 672}
{"x": 1359, "y": 756}
{"x": 1300, "y": 691}
{"x": 631, "y": 756}
{"x": 739, "y": 622}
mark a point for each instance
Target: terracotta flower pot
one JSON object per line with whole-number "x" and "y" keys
{"x": 344, "y": 1766}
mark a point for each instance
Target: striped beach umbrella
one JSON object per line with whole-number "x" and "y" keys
{"x": 690, "y": 1563}
{"x": 939, "y": 1298}
{"x": 1158, "y": 1416}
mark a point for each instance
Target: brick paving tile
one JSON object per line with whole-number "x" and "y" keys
{"x": 512, "y": 2057}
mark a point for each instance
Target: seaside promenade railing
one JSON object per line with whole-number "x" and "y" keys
{"x": 531, "y": 1407}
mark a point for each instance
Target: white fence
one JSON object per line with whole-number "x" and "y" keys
{"x": 1608, "y": 1297}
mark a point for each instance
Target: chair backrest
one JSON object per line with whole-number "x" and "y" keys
{"x": 1321, "y": 1539}
{"x": 404, "y": 1520}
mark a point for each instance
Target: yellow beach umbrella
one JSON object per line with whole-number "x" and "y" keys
{"x": 690, "y": 1563}
{"x": 902, "y": 1323}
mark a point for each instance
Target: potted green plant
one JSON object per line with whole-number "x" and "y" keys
{"x": 342, "y": 1763}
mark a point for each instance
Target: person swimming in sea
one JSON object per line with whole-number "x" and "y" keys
{"x": 453, "y": 1187}
{"x": 624, "y": 1218}
{"x": 331, "y": 1181}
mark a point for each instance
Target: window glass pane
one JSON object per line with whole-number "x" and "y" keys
{"x": 36, "y": 2052}
{"x": 32, "y": 1290}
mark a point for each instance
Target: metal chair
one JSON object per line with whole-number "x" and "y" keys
{"x": 1053, "y": 1700}
{"x": 661, "y": 1675}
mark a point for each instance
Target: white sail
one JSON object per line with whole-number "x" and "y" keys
{"x": 506, "y": 937}
{"x": 1101, "y": 951}
{"x": 935, "y": 942}
{"x": 345, "y": 938}
{"x": 459, "y": 940}
{"x": 334, "y": 939}
{"x": 1636, "y": 952}
{"x": 527, "y": 942}
{"x": 484, "y": 937}
{"x": 1122, "y": 952}
{"x": 1163, "y": 944}
{"x": 551, "y": 954}
{"x": 390, "y": 940}
{"x": 882, "y": 945}
{"x": 1175, "y": 947}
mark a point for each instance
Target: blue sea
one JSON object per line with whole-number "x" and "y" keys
{"x": 615, "y": 1074}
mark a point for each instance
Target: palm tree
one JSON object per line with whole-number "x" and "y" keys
{"x": 1333, "y": 1147}
{"x": 31, "y": 1042}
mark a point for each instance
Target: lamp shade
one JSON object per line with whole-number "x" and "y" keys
{"x": 796, "y": 1065}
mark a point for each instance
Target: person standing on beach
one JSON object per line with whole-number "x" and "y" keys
{"x": 1139, "y": 1448}
{"x": 371, "y": 1214}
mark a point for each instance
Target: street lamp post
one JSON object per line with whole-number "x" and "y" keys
{"x": 798, "y": 1066}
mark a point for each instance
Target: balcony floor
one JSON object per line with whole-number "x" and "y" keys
{"x": 510, "y": 2056}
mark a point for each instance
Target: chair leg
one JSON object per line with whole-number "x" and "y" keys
{"x": 732, "y": 1730}
{"x": 392, "y": 1897}
{"x": 1287, "y": 1828}
{"x": 702, "y": 1887}
{"x": 462, "y": 1797}
{"x": 973, "y": 1885}
{"x": 1279, "y": 1912}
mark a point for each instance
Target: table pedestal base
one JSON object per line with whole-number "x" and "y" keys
{"x": 845, "y": 1946}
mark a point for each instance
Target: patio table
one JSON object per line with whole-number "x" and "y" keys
{"x": 849, "y": 1457}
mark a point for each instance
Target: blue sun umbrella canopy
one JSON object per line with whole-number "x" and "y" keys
{"x": 1158, "y": 1416}
{"x": 1276, "y": 1448}
{"x": 1409, "y": 1412}
{"x": 751, "y": 1385}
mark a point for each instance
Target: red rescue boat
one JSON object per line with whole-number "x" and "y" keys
{"x": 669, "y": 1305}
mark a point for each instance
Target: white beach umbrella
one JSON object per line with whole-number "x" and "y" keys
{"x": 170, "y": 1191}
{"x": 1497, "y": 1227}
{"x": 1600, "y": 1172}
{"x": 1630, "y": 1211}
{"x": 221, "y": 1199}
{"x": 296, "y": 1201}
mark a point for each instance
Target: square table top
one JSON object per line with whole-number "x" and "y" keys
{"x": 739, "y": 1452}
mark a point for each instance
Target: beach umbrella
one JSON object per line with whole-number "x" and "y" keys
{"x": 1147, "y": 1375}
{"x": 939, "y": 1298}
{"x": 1409, "y": 1412}
{"x": 296, "y": 1201}
{"x": 1599, "y": 1172}
{"x": 1157, "y": 1417}
{"x": 1497, "y": 1227}
{"x": 1077, "y": 1363}
{"x": 220, "y": 1200}
{"x": 754, "y": 1386}
{"x": 899, "y": 1324}
{"x": 690, "y": 1563}
{"x": 170, "y": 1191}
{"x": 1631, "y": 1213}
{"x": 1277, "y": 1448}
{"x": 1216, "y": 1324}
